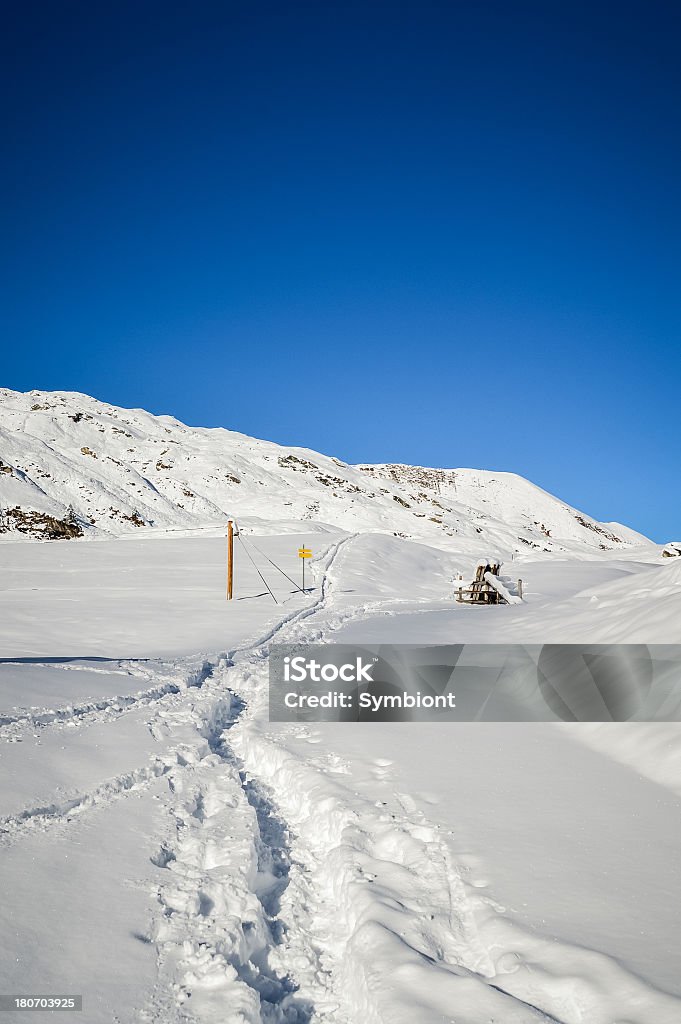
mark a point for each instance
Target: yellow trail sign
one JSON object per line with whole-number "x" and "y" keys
{"x": 304, "y": 553}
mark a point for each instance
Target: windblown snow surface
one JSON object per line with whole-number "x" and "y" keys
{"x": 173, "y": 856}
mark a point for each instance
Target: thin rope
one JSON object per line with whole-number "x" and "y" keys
{"x": 256, "y": 569}
{"x": 297, "y": 585}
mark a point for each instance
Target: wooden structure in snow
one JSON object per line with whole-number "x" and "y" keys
{"x": 487, "y": 587}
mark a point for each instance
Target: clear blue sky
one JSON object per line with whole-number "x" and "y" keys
{"x": 439, "y": 233}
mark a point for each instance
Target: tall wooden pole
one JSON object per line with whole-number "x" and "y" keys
{"x": 230, "y": 559}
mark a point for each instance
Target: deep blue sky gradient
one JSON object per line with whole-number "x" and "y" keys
{"x": 445, "y": 234}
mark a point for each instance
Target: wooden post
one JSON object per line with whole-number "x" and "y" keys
{"x": 230, "y": 559}
{"x": 520, "y": 589}
{"x": 460, "y": 590}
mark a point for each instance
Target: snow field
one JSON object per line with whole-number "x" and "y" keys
{"x": 293, "y": 875}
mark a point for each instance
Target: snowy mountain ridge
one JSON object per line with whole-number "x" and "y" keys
{"x": 73, "y": 466}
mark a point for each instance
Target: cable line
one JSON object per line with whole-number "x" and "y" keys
{"x": 256, "y": 568}
{"x": 279, "y": 569}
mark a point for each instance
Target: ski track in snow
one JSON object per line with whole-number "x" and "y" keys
{"x": 13, "y": 726}
{"x": 14, "y": 826}
{"x": 291, "y": 899}
{"x": 60, "y": 812}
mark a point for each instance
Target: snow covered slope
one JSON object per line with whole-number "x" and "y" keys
{"x": 73, "y": 466}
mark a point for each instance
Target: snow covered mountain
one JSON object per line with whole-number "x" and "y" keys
{"x": 72, "y": 466}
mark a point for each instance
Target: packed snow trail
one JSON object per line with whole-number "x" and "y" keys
{"x": 228, "y": 856}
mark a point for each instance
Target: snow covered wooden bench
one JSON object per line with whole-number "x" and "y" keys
{"x": 488, "y": 587}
